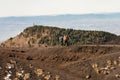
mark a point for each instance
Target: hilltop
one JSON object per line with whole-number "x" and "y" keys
{"x": 37, "y": 36}
{"x": 11, "y": 26}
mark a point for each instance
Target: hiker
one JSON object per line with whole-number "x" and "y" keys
{"x": 61, "y": 40}
{"x": 66, "y": 39}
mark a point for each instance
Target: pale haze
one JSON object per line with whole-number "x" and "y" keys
{"x": 54, "y": 7}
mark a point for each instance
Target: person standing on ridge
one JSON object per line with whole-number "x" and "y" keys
{"x": 66, "y": 39}
{"x": 61, "y": 40}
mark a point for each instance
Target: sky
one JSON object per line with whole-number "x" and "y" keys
{"x": 56, "y": 7}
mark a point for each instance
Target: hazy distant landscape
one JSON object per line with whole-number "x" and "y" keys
{"x": 11, "y": 26}
{"x": 59, "y": 39}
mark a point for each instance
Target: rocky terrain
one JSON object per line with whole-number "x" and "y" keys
{"x": 36, "y": 54}
{"x": 90, "y": 62}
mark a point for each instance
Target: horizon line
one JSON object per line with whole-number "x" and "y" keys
{"x": 61, "y": 14}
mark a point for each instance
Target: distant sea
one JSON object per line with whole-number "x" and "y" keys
{"x": 12, "y": 26}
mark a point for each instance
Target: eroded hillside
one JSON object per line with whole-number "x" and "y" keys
{"x": 38, "y": 36}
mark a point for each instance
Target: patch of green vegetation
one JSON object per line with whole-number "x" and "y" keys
{"x": 10, "y": 38}
{"x": 76, "y": 37}
{"x": 44, "y": 40}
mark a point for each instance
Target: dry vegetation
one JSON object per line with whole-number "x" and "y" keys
{"x": 38, "y": 36}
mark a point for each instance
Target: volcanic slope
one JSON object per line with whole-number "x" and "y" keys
{"x": 61, "y": 63}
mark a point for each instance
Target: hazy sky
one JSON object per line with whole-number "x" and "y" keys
{"x": 51, "y": 7}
